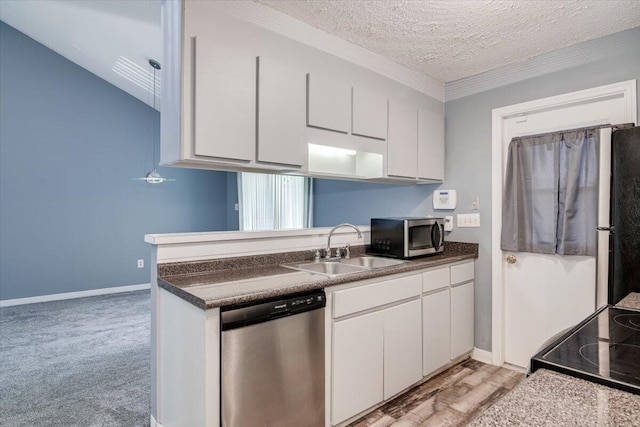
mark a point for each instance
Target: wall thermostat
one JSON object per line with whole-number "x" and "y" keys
{"x": 445, "y": 199}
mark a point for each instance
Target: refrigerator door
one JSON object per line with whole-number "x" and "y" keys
{"x": 625, "y": 214}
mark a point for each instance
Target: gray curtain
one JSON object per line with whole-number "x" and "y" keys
{"x": 551, "y": 194}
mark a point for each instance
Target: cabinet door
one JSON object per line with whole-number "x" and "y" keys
{"x": 357, "y": 365}
{"x": 402, "y": 146}
{"x": 436, "y": 331}
{"x": 224, "y": 116}
{"x": 369, "y": 114}
{"x": 281, "y": 113}
{"x": 328, "y": 103}
{"x": 402, "y": 347}
{"x": 461, "y": 319}
{"x": 430, "y": 145}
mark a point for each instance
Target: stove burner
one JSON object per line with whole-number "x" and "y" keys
{"x": 622, "y": 358}
{"x": 631, "y": 321}
{"x": 604, "y": 348}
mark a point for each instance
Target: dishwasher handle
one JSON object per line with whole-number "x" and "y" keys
{"x": 238, "y": 316}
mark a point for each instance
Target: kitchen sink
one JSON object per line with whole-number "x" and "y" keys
{"x": 371, "y": 262}
{"x": 334, "y": 268}
{"x": 327, "y": 268}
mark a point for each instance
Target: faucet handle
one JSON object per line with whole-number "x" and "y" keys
{"x": 317, "y": 255}
{"x": 347, "y": 251}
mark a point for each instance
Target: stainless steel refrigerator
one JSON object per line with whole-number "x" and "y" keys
{"x": 624, "y": 261}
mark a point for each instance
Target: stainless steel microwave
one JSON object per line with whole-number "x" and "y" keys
{"x": 406, "y": 237}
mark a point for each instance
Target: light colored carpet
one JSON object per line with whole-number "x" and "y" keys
{"x": 82, "y": 362}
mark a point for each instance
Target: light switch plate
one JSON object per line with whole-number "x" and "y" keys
{"x": 475, "y": 203}
{"x": 468, "y": 220}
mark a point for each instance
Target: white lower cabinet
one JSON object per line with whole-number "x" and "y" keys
{"x": 358, "y": 351}
{"x": 436, "y": 330}
{"x": 377, "y": 348}
{"x": 388, "y": 335}
{"x": 461, "y": 319}
{"x": 402, "y": 347}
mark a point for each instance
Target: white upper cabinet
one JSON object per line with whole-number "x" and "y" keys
{"x": 430, "y": 145}
{"x": 369, "y": 114}
{"x": 402, "y": 145}
{"x": 238, "y": 96}
{"x": 224, "y": 111}
{"x": 281, "y": 113}
{"x": 328, "y": 103}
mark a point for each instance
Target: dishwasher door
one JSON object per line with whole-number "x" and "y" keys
{"x": 273, "y": 372}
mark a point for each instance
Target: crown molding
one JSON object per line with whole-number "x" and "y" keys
{"x": 558, "y": 60}
{"x": 302, "y": 32}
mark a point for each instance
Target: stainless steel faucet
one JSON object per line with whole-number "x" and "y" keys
{"x": 328, "y": 250}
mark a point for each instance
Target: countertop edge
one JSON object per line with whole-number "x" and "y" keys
{"x": 415, "y": 265}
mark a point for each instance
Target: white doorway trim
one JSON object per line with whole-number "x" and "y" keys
{"x": 626, "y": 90}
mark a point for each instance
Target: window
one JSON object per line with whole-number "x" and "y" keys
{"x": 274, "y": 202}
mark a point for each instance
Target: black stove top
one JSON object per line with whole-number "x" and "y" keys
{"x": 605, "y": 348}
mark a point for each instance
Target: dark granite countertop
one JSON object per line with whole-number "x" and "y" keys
{"x": 228, "y": 281}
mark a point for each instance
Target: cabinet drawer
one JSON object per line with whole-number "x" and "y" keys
{"x": 462, "y": 272}
{"x": 435, "y": 279}
{"x": 377, "y": 294}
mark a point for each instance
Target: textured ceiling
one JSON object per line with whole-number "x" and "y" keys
{"x": 445, "y": 39}
{"x": 453, "y": 39}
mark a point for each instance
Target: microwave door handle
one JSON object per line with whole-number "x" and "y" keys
{"x": 436, "y": 240}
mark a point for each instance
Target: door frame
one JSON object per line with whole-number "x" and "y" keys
{"x": 626, "y": 90}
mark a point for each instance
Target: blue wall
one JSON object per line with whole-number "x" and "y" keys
{"x": 71, "y": 218}
{"x": 468, "y": 140}
{"x": 357, "y": 202}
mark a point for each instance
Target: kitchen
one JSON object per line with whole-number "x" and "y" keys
{"x": 468, "y": 166}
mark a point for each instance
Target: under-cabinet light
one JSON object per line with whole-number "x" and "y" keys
{"x": 326, "y": 150}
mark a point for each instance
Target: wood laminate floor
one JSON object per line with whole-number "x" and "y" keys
{"x": 451, "y": 398}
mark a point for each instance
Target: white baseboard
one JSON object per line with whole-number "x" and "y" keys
{"x": 154, "y": 423}
{"x": 483, "y": 356}
{"x": 71, "y": 295}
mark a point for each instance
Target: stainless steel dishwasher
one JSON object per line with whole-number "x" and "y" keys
{"x": 272, "y": 364}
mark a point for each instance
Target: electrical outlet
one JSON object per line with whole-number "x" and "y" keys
{"x": 140, "y": 263}
{"x": 236, "y": 207}
{"x": 468, "y": 220}
{"x": 448, "y": 223}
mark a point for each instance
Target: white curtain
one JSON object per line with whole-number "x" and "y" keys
{"x": 274, "y": 202}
